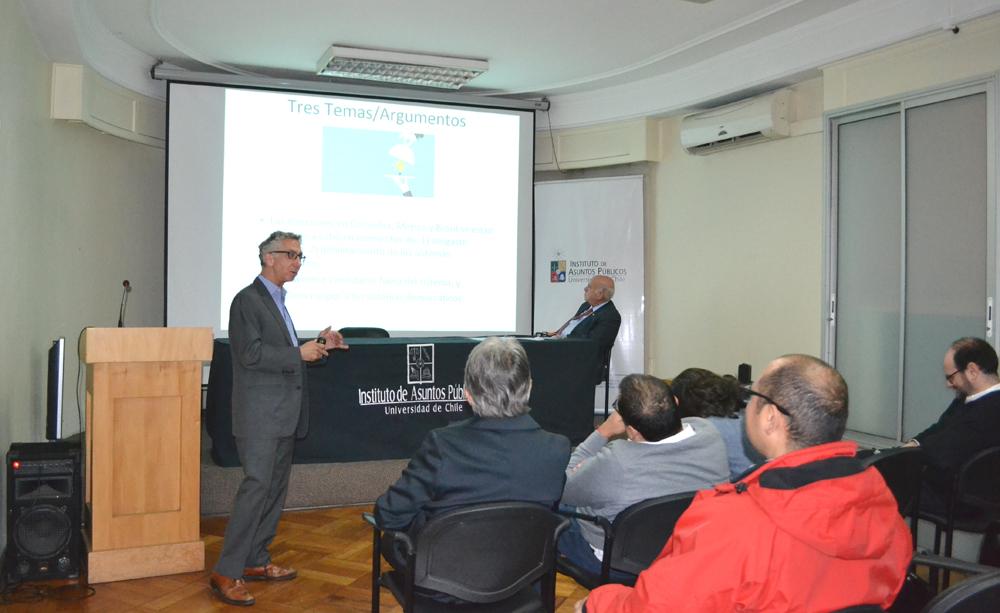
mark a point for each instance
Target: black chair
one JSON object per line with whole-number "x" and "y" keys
{"x": 606, "y": 378}
{"x": 902, "y": 468}
{"x": 976, "y": 595}
{"x": 488, "y": 556}
{"x": 350, "y": 332}
{"x": 917, "y": 595}
{"x": 633, "y": 540}
{"x": 973, "y": 504}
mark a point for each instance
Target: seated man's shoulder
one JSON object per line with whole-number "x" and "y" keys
{"x": 706, "y": 434}
{"x": 453, "y": 433}
{"x": 702, "y": 426}
{"x": 555, "y": 439}
{"x": 485, "y": 430}
{"x": 720, "y": 510}
{"x": 555, "y": 444}
{"x": 451, "y": 429}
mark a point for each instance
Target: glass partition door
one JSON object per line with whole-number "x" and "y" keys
{"x": 911, "y": 252}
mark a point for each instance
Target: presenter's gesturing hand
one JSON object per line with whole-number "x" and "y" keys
{"x": 312, "y": 351}
{"x": 334, "y": 339}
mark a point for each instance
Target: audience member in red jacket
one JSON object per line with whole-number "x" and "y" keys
{"x": 810, "y": 530}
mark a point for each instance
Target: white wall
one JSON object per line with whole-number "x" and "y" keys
{"x": 80, "y": 212}
{"x": 734, "y": 245}
{"x": 736, "y": 238}
{"x": 735, "y": 255}
{"x": 931, "y": 61}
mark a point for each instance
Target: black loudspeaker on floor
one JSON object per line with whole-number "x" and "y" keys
{"x": 44, "y": 505}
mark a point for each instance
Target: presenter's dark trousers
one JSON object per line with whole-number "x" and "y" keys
{"x": 267, "y": 464}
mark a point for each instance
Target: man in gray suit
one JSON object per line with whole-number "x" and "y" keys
{"x": 270, "y": 409}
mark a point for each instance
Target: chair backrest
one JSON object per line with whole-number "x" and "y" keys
{"x": 606, "y": 364}
{"x": 977, "y": 483}
{"x": 350, "y": 332}
{"x": 902, "y": 469}
{"x": 487, "y": 552}
{"x": 976, "y": 595}
{"x": 643, "y": 529}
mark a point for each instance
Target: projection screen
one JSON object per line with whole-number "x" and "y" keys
{"x": 416, "y": 217}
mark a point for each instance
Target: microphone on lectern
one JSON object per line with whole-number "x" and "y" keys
{"x": 126, "y": 288}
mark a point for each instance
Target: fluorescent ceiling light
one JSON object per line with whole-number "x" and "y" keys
{"x": 397, "y": 67}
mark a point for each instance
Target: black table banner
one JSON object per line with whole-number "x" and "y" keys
{"x": 378, "y": 399}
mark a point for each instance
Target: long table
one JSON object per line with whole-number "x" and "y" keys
{"x": 379, "y": 399}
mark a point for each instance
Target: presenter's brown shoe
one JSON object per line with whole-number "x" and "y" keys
{"x": 231, "y": 591}
{"x": 270, "y": 572}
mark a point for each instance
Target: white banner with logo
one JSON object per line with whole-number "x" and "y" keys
{"x": 584, "y": 228}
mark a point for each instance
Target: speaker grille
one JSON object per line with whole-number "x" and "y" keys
{"x": 42, "y": 531}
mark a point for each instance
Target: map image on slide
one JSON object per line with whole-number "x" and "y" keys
{"x": 378, "y": 163}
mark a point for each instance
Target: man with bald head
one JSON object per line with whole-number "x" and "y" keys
{"x": 597, "y": 318}
{"x": 811, "y": 529}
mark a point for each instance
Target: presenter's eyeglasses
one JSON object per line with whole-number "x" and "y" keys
{"x": 292, "y": 255}
{"x": 948, "y": 377}
{"x": 746, "y": 393}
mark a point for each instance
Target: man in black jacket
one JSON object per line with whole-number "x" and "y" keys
{"x": 970, "y": 424}
{"x": 500, "y": 454}
{"x": 597, "y": 318}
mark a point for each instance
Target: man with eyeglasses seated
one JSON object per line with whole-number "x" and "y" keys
{"x": 270, "y": 409}
{"x": 970, "y": 424}
{"x": 597, "y": 318}
{"x": 642, "y": 450}
{"x": 811, "y": 529}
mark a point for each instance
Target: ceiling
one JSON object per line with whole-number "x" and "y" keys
{"x": 597, "y": 60}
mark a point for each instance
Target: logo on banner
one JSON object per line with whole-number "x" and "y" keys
{"x": 420, "y": 395}
{"x": 558, "y": 271}
{"x": 580, "y": 271}
{"x": 420, "y": 363}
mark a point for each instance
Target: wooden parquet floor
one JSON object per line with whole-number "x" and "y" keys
{"x": 331, "y": 548}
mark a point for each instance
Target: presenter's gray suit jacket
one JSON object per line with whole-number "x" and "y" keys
{"x": 270, "y": 398}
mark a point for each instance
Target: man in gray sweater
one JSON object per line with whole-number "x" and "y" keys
{"x": 642, "y": 450}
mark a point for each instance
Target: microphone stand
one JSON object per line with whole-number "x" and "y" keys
{"x": 126, "y": 288}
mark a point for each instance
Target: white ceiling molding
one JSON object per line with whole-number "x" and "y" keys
{"x": 73, "y": 34}
{"x": 668, "y": 54}
{"x": 772, "y": 61}
{"x": 174, "y": 41}
{"x": 72, "y": 31}
{"x": 111, "y": 57}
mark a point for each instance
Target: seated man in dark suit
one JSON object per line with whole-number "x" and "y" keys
{"x": 970, "y": 424}
{"x": 501, "y": 454}
{"x": 597, "y": 317}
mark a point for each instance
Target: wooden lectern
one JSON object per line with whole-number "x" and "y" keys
{"x": 142, "y": 450}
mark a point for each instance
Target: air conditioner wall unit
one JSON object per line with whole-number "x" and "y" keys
{"x": 740, "y": 123}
